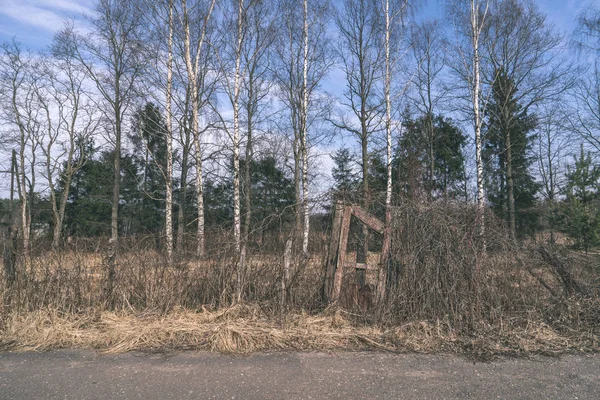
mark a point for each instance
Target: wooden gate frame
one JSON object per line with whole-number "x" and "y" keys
{"x": 336, "y": 257}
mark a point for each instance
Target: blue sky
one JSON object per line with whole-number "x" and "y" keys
{"x": 33, "y": 22}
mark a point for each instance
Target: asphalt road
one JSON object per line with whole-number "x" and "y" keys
{"x": 69, "y": 374}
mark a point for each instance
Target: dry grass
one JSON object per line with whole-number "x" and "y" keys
{"x": 443, "y": 295}
{"x": 237, "y": 330}
{"x": 245, "y": 329}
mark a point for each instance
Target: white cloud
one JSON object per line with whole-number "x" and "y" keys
{"x": 82, "y": 7}
{"x": 43, "y": 14}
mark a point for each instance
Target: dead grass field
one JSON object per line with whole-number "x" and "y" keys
{"x": 444, "y": 295}
{"x": 245, "y": 329}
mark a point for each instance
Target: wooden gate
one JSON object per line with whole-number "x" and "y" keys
{"x": 336, "y": 258}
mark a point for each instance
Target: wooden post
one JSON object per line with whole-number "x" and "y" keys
{"x": 343, "y": 244}
{"x": 384, "y": 258}
{"x": 332, "y": 251}
{"x": 336, "y": 263}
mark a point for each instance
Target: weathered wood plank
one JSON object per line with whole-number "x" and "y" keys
{"x": 368, "y": 219}
{"x": 384, "y": 258}
{"x": 332, "y": 252}
{"x": 368, "y": 267}
{"x": 343, "y": 244}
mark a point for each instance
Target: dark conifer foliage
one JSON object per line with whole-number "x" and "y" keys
{"x": 509, "y": 137}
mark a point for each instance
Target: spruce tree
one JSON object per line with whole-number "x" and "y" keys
{"x": 579, "y": 215}
{"x": 344, "y": 177}
{"x": 414, "y": 158}
{"x": 507, "y": 155}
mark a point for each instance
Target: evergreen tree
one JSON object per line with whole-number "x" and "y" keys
{"x": 88, "y": 209}
{"x": 413, "y": 159}
{"x": 149, "y": 133}
{"x": 449, "y": 159}
{"x": 272, "y": 198}
{"x": 344, "y": 177}
{"x": 507, "y": 156}
{"x": 579, "y": 215}
{"x": 272, "y": 194}
{"x": 409, "y": 159}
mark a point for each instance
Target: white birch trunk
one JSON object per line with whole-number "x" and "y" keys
{"x": 388, "y": 109}
{"x": 241, "y": 270}
{"x": 169, "y": 172}
{"x": 193, "y": 87}
{"x": 476, "y": 25}
{"x": 304, "y": 134}
{"x": 192, "y": 72}
{"x": 236, "y": 129}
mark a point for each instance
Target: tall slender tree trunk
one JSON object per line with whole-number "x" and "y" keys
{"x": 200, "y": 242}
{"x": 249, "y": 156}
{"x": 510, "y": 187}
{"x": 114, "y": 218}
{"x": 241, "y": 267}
{"x": 247, "y": 178}
{"x": 183, "y": 177}
{"x": 304, "y": 134}
{"x": 476, "y": 33}
{"x": 383, "y": 273}
{"x": 181, "y": 220}
{"x": 236, "y": 129}
{"x": 192, "y": 73}
{"x": 22, "y": 188}
{"x": 388, "y": 111}
{"x": 169, "y": 172}
{"x": 363, "y": 252}
{"x": 297, "y": 183}
{"x": 22, "y": 177}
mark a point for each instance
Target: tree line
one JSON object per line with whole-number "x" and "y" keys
{"x": 171, "y": 117}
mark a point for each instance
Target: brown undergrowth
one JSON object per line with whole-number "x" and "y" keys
{"x": 444, "y": 294}
{"x": 245, "y": 329}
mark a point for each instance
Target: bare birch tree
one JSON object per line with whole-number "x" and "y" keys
{"x": 229, "y": 54}
{"x": 69, "y": 122}
{"x": 19, "y": 104}
{"x": 304, "y": 132}
{"x": 470, "y": 18}
{"x": 302, "y": 59}
{"x": 110, "y": 55}
{"x": 257, "y": 85}
{"x": 194, "y": 51}
{"x": 169, "y": 121}
{"x": 239, "y": 56}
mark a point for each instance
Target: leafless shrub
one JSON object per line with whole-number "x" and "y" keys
{"x": 444, "y": 293}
